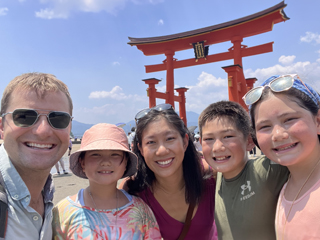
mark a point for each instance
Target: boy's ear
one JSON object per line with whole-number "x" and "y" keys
{"x": 250, "y": 143}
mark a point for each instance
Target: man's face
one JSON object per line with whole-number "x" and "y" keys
{"x": 39, "y": 147}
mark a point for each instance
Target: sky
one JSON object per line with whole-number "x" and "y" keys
{"x": 84, "y": 44}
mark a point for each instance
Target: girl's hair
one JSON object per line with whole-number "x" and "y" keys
{"x": 125, "y": 156}
{"x": 192, "y": 173}
{"x": 302, "y": 99}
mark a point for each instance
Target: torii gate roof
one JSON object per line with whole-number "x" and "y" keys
{"x": 242, "y": 27}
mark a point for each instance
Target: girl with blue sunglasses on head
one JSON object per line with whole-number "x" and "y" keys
{"x": 286, "y": 118}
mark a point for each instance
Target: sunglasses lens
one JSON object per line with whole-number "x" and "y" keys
{"x": 161, "y": 107}
{"x": 252, "y": 96}
{"x": 24, "y": 117}
{"x": 59, "y": 120}
{"x": 282, "y": 83}
{"x": 142, "y": 113}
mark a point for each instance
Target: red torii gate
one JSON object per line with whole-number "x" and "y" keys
{"x": 200, "y": 40}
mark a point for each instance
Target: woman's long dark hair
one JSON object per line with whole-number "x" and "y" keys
{"x": 192, "y": 172}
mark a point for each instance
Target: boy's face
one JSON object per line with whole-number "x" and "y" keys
{"x": 224, "y": 147}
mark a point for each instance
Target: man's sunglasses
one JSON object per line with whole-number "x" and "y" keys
{"x": 28, "y": 117}
{"x": 144, "y": 112}
{"x": 280, "y": 84}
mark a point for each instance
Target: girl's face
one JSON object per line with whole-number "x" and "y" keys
{"x": 104, "y": 167}
{"x": 286, "y": 132}
{"x": 163, "y": 148}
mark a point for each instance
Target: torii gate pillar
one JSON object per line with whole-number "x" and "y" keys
{"x": 170, "y": 76}
{"x": 182, "y": 104}
{"x": 151, "y": 90}
{"x": 153, "y": 94}
{"x": 250, "y": 82}
{"x": 237, "y": 86}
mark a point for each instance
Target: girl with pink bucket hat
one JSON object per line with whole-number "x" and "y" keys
{"x": 101, "y": 211}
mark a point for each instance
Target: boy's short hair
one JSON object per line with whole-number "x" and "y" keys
{"x": 231, "y": 111}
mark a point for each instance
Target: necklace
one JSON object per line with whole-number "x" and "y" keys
{"x": 284, "y": 227}
{"x": 104, "y": 210}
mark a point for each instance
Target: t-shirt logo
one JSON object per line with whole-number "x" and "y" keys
{"x": 245, "y": 187}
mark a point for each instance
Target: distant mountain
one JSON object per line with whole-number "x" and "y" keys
{"x": 79, "y": 128}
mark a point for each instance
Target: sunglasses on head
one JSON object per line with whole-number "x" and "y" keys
{"x": 279, "y": 84}
{"x": 144, "y": 112}
{"x": 28, "y": 117}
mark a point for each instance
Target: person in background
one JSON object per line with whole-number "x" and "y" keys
{"x": 70, "y": 147}
{"x": 62, "y": 165}
{"x": 197, "y": 144}
{"x": 35, "y": 123}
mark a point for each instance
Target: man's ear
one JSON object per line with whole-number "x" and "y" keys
{"x": 1, "y": 127}
{"x": 250, "y": 143}
{"x": 140, "y": 149}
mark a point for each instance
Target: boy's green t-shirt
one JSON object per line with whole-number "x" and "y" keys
{"x": 245, "y": 206}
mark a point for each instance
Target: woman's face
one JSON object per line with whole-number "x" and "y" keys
{"x": 163, "y": 148}
{"x": 286, "y": 132}
{"x": 104, "y": 167}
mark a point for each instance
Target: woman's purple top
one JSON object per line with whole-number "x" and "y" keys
{"x": 202, "y": 225}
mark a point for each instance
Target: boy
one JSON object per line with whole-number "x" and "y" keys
{"x": 246, "y": 191}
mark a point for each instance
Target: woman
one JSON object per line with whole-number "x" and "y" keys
{"x": 170, "y": 178}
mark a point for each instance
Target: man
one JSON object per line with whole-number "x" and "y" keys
{"x": 35, "y": 124}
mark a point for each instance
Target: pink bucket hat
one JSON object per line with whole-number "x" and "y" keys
{"x": 103, "y": 136}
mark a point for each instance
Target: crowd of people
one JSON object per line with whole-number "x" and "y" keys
{"x": 175, "y": 185}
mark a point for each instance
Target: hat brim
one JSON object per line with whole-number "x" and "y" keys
{"x": 105, "y": 144}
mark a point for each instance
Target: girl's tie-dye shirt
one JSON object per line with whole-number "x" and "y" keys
{"x": 135, "y": 221}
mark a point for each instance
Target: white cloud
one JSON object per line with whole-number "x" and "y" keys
{"x": 207, "y": 90}
{"x": 147, "y": 1}
{"x": 63, "y": 8}
{"x": 116, "y": 93}
{"x": 3, "y": 11}
{"x": 115, "y": 63}
{"x": 119, "y": 108}
{"x": 160, "y": 22}
{"x": 286, "y": 60}
{"x": 308, "y": 72}
{"x": 309, "y": 37}
{"x": 50, "y": 14}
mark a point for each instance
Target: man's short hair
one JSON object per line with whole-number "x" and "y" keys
{"x": 41, "y": 83}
